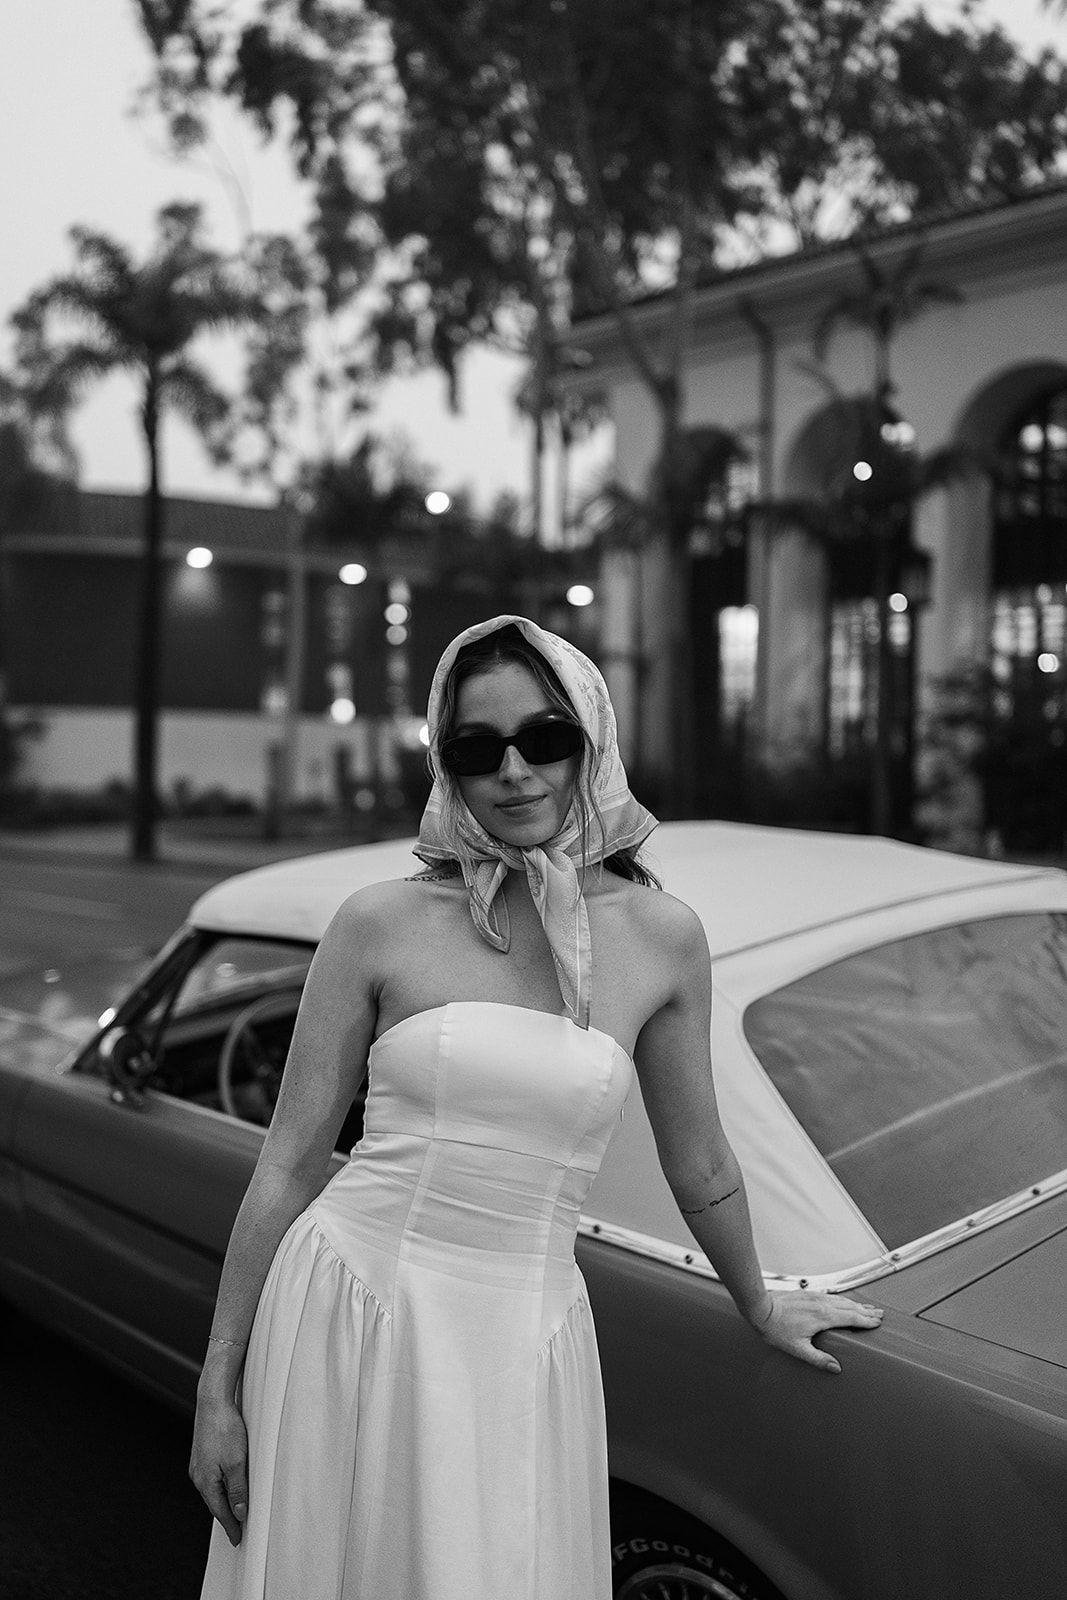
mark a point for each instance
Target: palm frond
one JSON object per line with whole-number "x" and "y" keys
{"x": 103, "y": 307}
{"x": 616, "y": 516}
{"x": 107, "y": 261}
{"x": 58, "y": 384}
{"x": 186, "y": 387}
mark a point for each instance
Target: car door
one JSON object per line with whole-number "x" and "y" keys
{"x": 129, "y": 1195}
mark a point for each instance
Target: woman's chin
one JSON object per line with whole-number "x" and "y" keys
{"x": 524, "y": 826}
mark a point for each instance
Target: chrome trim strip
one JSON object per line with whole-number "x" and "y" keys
{"x": 694, "y": 1261}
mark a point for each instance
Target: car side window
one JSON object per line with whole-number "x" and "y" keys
{"x": 224, "y": 1035}
{"x": 931, "y": 1072}
{"x": 233, "y": 966}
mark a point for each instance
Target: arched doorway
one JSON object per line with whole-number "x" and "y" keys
{"x": 854, "y": 480}
{"x": 1026, "y": 770}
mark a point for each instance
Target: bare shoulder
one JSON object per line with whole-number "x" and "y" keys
{"x": 378, "y": 908}
{"x": 668, "y": 927}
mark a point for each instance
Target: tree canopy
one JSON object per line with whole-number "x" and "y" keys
{"x": 538, "y": 158}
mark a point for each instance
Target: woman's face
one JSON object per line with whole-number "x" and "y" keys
{"x": 519, "y": 804}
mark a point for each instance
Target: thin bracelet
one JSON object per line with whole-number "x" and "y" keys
{"x": 238, "y": 1344}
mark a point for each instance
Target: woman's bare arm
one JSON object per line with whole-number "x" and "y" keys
{"x": 326, "y": 1064}
{"x": 673, "y": 1057}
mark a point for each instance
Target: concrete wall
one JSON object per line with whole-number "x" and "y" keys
{"x": 85, "y": 748}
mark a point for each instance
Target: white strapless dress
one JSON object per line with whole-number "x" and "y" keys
{"x": 422, "y": 1387}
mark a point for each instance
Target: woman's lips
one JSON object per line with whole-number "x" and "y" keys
{"x": 519, "y": 807}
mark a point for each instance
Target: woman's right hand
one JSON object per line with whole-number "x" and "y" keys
{"x": 219, "y": 1463}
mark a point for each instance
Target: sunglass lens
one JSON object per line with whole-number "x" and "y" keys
{"x": 546, "y": 742}
{"x": 473, "y": 756}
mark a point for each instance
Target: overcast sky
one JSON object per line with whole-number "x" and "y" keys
{"x": 69, "y": 75}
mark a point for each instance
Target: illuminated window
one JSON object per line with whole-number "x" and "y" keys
{"x": 738, "y": 638}
{"x": 853, "y": 671}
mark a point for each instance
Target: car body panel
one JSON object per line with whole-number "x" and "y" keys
{"x": 933, "y": 1278}
{"x": 130, "y": 1209}
{"x": 935, "y": 1432}
{"x": 1019, "y": 1305}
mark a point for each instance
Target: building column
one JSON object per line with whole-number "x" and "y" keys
{"x": 793, "y": 660}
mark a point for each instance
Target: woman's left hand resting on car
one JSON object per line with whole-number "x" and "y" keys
{"x": 673, "y": 1060}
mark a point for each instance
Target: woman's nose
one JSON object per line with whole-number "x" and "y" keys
{"x": 512, "y": 765}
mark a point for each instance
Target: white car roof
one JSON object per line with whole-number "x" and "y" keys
{"x": 756, "y": 889}
{"x": 749, "y": 884}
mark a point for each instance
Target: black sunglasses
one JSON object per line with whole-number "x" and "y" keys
{"x": 472, "y": 755}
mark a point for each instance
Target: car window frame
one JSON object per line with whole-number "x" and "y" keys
{"x": 171, "y": 967}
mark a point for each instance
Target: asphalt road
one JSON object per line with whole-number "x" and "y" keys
{"x": 96, "y": 1504}
{"x": 52, "y": 908}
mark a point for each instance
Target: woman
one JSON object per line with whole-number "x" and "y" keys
{"x": 420, "y": 1382}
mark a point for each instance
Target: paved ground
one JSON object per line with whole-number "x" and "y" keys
{"x": 97, "y": 1503}
{"x": 213, "y": 846}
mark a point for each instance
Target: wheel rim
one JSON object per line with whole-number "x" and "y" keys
{"x": 675, "y": 1580}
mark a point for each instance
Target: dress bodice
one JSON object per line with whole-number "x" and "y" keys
{"x": 484, "y": 1127}
{"x": 503, "y": 1076}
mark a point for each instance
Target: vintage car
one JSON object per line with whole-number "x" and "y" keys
{"x": 890, "y": 1041}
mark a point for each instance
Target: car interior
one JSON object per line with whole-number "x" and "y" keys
{"x": 211, "y": 1023}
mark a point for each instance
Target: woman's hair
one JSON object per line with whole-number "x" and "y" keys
{"x": 510, "y": 645}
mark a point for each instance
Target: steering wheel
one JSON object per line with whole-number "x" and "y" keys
{"x": 253, "y": 1099}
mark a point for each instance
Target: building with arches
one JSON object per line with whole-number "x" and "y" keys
{"x": 783, "y": 620}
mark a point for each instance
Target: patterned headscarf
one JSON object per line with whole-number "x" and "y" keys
{"x": 449, "y": 831}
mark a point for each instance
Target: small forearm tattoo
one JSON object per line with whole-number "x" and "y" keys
{"x": 718, "y": 1202}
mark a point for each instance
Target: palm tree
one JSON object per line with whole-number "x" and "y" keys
{"x": 886, "y": 298}
{"x": 142, "y": 318}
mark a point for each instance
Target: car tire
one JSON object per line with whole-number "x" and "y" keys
{"x": 682, "y": 1561}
